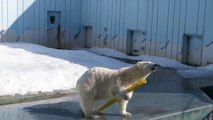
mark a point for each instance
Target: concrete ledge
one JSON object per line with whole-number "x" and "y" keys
{"x": 5, "y": 100}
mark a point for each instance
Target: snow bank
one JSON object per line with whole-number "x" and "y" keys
{"x": 164, "y": 62}
{"x": 26, "y": 68}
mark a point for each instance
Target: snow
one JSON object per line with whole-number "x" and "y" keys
{"x": 28, "y": 68}
{"x": 184, "y": 70}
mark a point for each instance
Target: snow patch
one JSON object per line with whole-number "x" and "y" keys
{"x": 26, "y": 68}
{"x": 29, "y": 68}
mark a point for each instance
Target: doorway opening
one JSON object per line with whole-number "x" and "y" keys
{"x": 54, "y": 29}
{"x": 135, "y": 42}
{"x": 192, "y": 49}
{"x": 87, "y": 37}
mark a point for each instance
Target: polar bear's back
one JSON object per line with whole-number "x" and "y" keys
{"x": 96, "y": 75}
{"x": 97, "y": 80}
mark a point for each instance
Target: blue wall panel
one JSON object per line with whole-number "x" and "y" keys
{"x": 153, "y": 42}
{"x": 191, "y": 16}
{"x": 142, "y": 14}
{"x": 163, "y": 23}
{"x": 131, "y": 12}
{"x": 208, "y": 33}
{"x": 162, "y": 28}
{"x": 11, "y": 34}
{"x": 26, "y": 20}
{"x": 175, "y": 32}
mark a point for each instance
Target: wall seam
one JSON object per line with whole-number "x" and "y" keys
{"x": 7, "y": 22}
{"x": 151, "y": 34}
{"x": 115, "y": 22}
{"x": 119, "y": 24}
{"x": 185, "y": 16}
{"x": 96, "y": 23}
{"x": 111, "y": 29}
{"x": 2, "y": 20}
{"x": 70, "y": 32}
{"x": 23, "y": 21}
{"x": 156, "y": 36}
{"x": 124, "y": 28}
{"x": 178, "y": 30}
{"x": 167, "y": 27}
{"x": 33, "y": 21}
{"x": 99, "y": 38}
{"x": 137, "y": 13}
{"x": 107, "y": 22}
{"x": 45, "y": 23}
{"x": 172, "y": 40}
{"x": 17, "y": 21}
{"x": 147, "y": 12}
{"x": 204, "y": 25}
{"x": 65, "y": 27}
{"x": 198, "y": 16}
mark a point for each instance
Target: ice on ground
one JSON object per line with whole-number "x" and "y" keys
{"x": 27, "y": 68}
{"x": 199, "y": 72}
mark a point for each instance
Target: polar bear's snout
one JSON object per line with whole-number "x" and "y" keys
{"x": 154, "y": 67}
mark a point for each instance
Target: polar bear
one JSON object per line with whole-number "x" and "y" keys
{"x": 101, "y": 83}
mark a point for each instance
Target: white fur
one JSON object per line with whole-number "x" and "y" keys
{"x": 101, "y": 83}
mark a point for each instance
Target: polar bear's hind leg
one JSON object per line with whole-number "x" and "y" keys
{"x": 87, "y": 107}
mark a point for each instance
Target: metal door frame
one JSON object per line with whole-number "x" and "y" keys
{"x": 59, "y": 31}
{"x": 130, "y": 41}
{"x": 86, "y": 40}
{"x": 185, "y": 47}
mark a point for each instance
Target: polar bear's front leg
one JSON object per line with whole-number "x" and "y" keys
{"x": 122, "y": 108}
{"x": 124, "y": 98}
{"x": 124, "y": 95}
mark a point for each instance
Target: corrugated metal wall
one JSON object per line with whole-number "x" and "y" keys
{"x": 26, "y": 20}
{"x": 208, "y": 34}
{"x": 163, "y": 22}
{"x": 159, "y": 24}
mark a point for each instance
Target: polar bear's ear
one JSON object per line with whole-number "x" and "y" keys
{"x": 137, "y": 65}
{"x": 138, "y": 62}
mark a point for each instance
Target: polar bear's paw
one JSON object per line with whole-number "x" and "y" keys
{"x": 94, "y": 116}
{"x": 127, "y": 114}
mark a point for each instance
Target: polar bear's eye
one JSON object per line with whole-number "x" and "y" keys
{"x": 147, "y": 64}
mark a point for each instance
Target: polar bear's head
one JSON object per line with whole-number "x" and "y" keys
{"x": 146, "y": 67}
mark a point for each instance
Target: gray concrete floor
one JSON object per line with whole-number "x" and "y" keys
{"x": 167, "y": 96}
